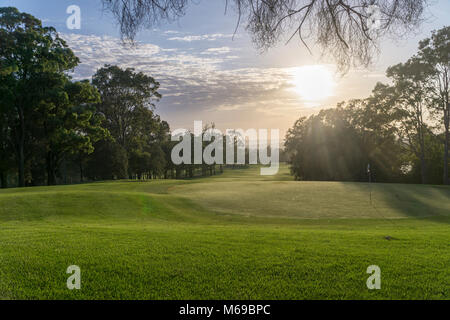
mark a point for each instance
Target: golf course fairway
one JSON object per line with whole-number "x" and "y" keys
{"x": 238, "y": 235}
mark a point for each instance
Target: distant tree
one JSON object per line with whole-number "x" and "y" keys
{"x": 338, "y": 144}
{"x": 109, "y": 161}
{"x": 170, "y": 168}
{"x": 343, "y": 29}
{"x": 294, "y": 148}
{"x": 127, "y": 104}
{"x": 328, "y": 149}
{"x": 145, "y": 145}
{"x": 160, "y": 162}
{"x": 435, "y": 52}
{"x": 68, "y": 123}
{"x": 166, "y": 145}
{"x": 124, "y": 94}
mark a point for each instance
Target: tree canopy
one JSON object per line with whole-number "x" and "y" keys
{"x": 33, "y": 60}
{"x": 44, "y": 114}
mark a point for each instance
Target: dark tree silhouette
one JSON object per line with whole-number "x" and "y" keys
{"x": 399, "y": 129}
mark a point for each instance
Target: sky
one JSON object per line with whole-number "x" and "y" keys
{"x": 207, "y": 74}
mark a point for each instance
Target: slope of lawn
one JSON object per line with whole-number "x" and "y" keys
{"x": 235, "y": 236}
{"x": 253, "y": 196}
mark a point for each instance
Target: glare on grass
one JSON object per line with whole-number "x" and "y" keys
{"x": 313, "y": 83}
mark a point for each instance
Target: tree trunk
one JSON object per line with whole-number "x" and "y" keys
{"x": 21, "y": 166}
{"x": 65, "y": 170}
{"x": 20, "y": 161}
{"x": 446, "y": 143}
{"x": 446, "y": 146}
{"x": 4, "y": 180}
{"x": 81, "y": 171}
{"x": 423, "y": 169}
{"x": 423, "y": 164}
{"x": 20, "y": 149}
{"x": 51, "y": 170}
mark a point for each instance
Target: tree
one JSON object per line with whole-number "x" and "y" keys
{"x": 328, "y": 148}
{"x": 294, "y": 142}
{"x": 51, "y": 123}
{"x": 127, "y": 105}
{"x": 147, "y": 156}
{"x": 68, "y": 122}
{"x": 124, "y": 94}
{"x": 6, "y": 146}
{"x": 29, "y": 54}
{"x": 337, "y": 144}
{"x": 109, "y": 161}
{"x": 411, "y": 90}
{"x": 344, "y": 29}
{"x": 374, "y": 121}
{"x": 435, "y": 52}
{"x": 159, "y": 146}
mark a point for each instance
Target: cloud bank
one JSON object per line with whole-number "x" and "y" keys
{"x": 199, "y": 83}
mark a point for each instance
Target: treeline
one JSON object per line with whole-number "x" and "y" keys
{"x": 399, "y": 134}
{"x": 138, "y": 144}
{"x": 56, "y": 130}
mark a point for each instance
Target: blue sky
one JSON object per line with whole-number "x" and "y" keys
{"x": 206, "y": 75}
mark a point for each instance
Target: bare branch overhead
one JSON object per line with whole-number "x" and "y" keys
{"x": 345, "y": 30}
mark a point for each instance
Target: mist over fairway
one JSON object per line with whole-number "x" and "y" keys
{"x": 234, "y": 236}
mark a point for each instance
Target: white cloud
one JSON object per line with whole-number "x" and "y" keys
{"x": 172, "y": 32}
{"x": 217, "y": 51}
{"x": 204, "y": 37}
{"x": 194, "y": 85}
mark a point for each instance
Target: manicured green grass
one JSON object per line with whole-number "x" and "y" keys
{"x": 234, "y": 236}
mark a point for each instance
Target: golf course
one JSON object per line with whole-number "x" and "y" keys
{"x": 238, "y": 235}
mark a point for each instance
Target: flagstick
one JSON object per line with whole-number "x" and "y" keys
{"x": 370, "y": 183}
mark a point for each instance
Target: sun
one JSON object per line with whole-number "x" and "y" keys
{"x": 313, "y": 83}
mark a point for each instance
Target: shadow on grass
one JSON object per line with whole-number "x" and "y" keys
{"x": 413, "y": 201}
